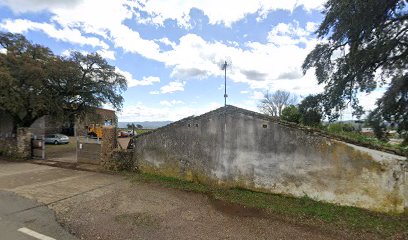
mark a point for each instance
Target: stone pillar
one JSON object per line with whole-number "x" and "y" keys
{"x": 109, "y": 143}
{"x": 24, "y": 143}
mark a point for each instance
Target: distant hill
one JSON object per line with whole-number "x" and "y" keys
{"x": 146, "y": 125}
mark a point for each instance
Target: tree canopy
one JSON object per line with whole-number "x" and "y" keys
{"x": 291, "y": 114}
{"x": 310, "y": 110}
{"x": 36, "y": 82}
{"x": 364, "y": 46}
{"x": 273, "y": 103}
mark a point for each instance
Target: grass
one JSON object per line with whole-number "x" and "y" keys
{"x": 140, "y": 131}
{"x": 58, "y": 150}
{"x": 372, "y": 141}
{"x": 297, "y": 209}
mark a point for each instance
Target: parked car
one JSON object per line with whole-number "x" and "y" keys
{"x": 56, "y": 139}
{"x": 130, "y": 132}
{"x": 123, "y": 134}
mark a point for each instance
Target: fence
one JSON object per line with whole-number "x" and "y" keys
{"x": 38, "y": 147}
{"x": 88, "y": 150}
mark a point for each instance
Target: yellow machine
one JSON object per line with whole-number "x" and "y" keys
{"x": 95, "y": 130}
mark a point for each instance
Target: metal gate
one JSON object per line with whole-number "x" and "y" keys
{"x": 88, "y": 150}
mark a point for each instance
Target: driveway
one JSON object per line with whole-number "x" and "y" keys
{"x": 103, "y": 206}
{"x": 22, "y": 218}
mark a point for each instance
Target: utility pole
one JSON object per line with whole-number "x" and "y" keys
{"x": 224, "y": 67}
{"x": 225, "y": 83}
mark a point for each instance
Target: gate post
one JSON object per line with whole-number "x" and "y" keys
{"x": 24, "y": 143}
{"x": 109, "y": 143}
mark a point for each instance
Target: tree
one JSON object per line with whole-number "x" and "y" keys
{"x": 139, "y": 126}
{"x": 291, "y": 114}
{"x": 392, "y": 107}
{"x": 367, "y": 45}
{"x": 310, "y": 110}
{"x": 273, "y": 103}
{"x": 130, "y": 125}
{"x": 35, "y": 82}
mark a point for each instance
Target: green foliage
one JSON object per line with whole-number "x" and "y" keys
{"x": 364, "y": 38}
{"x": 376, "y": 121}
{"x": 291, "y": 114}
{"x": 392, "y": 107}
{"x": 140, "y": 131}
{"x": 289, "y": 207}
{"x": 310, "y": 110}
{"x": 35, "y": 82}
{"x": 340, "y": 127}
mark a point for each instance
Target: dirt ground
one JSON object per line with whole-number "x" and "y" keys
{"x": 104, "y": 206}
{"x": 143, "y": 211}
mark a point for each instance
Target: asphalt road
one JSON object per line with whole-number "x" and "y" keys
{"x": 25, "y": 219}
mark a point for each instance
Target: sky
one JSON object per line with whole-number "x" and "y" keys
{"x": 170, "y": 51}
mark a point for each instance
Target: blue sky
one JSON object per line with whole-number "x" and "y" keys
{"x": 170, "y": 51}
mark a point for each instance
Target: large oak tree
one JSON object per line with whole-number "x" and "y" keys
{"x": 34, "y": 82}
{"x": 364, "y": 47}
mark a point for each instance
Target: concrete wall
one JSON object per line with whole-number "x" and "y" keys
{"x": 233, "y": 148}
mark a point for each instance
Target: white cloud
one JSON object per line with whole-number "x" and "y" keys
{"x": 171, "y": 103}
{"x": 20, "y": 6}
{"x": 167, "y": 42}
{"x": 273, "y": 65}
{"x": 259, "y": 65}
{"x": 131, "y": 41}
{"x": 107, "y": 54}
{"x": 141, "y": 112}
{"x": 146, "y": 81}
{"x": 64, "y": 34}
{"x": 161, "y": 10}
{"x": 154, "y": 92}
{"x": 290, "y": 34}
{"x": 172, "y": 87}
{"x": 257, "y": 95}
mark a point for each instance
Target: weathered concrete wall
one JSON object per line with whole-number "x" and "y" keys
{"x": 237, "y": 149}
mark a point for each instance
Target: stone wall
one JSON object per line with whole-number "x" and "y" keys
{"x": 6, "y": 124}
{"x": 232, "y": 147}
{"x": 109, "y": 143}
{"x": 17, "y": 146}
{"x": 8, "y": 146}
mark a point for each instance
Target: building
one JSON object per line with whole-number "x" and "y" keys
{"x": 47, "y": 125}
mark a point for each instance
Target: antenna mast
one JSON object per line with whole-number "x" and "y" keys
{"x": 224, "y": 66}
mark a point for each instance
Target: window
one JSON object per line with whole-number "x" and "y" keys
{"x": 264, "y": 126}
{"x": 196, "y": 124}
{"x": 189, "y": 125}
